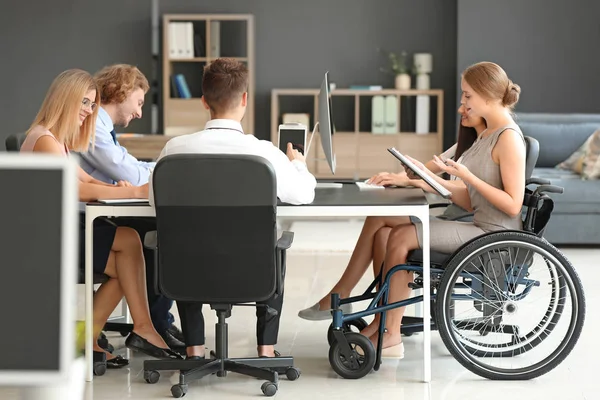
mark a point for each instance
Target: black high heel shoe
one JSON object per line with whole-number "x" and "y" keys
{"x": 117, "y": 362}
{"x": 138, "y": 343}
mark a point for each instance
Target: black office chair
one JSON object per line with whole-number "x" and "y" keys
{"x": 14, "y": 142}
{"x": 217, "y": 244}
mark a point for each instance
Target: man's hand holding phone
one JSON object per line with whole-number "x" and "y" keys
{"x": 294, "y": 154}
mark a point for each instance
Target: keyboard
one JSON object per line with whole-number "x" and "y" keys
{"x": 368, "y": 186}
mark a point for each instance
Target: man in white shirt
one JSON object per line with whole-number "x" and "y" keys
{"x": 224, "y": 88}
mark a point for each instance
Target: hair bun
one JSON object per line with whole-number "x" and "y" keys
{"x": 511, "y": 96}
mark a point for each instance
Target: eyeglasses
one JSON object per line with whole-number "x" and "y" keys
{"x": 87, "y": 103}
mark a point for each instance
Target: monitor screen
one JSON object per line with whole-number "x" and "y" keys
{"x": 326, "y": 129}
{"x": 35, "y": 259}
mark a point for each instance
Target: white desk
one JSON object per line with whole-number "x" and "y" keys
{"x": 345, "y": 202}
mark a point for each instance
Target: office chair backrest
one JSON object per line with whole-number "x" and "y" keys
{"x": 216, "y": 227}
{"x": 532, "y": 153}
{"x": 14, "y": 142}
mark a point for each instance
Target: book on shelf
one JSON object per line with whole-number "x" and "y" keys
{"x": 179, "y": 87}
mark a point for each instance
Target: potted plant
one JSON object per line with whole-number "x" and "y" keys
{"x": 399, "y": 69}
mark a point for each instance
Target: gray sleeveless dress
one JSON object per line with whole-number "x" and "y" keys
{"x": 448, "y": 236}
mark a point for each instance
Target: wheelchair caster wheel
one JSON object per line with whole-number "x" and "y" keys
{"x": 269, "y": 389}
{"x": 179, "y": 390}
{"x": 407, "y": 334}
{"x": 292, "y": 374}
{"x": 151, "y": 376}
{"x": 356, "y": 365}
{"x": 99, "y": 368}
{"x": 357, "y": 324}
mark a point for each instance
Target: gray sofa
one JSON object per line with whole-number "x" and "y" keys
{"x": 576, "y": 216}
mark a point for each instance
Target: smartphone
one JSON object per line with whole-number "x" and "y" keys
{"x": 294, "y": 133}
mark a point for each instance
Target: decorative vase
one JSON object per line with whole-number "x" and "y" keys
{"x": 403, "y": 81}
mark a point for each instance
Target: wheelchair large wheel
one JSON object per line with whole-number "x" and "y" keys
{"x": 510, "y": 306}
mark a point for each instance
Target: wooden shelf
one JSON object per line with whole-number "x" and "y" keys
{"x": 204, "y": 59}
{"x": 182, "y": 115}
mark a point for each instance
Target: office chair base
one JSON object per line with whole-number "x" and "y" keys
{"x": 190, "y": 370}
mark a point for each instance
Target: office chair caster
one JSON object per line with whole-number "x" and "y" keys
{"x": 99, "y": 368}
{"x": 179, "y": 390}
{"x": 357, "y": 324}
{"x": 292, "y": 374}
{"x": 151, "y": 376}
{"x": 269, "y": 389}
{"x": 355, "y": 363}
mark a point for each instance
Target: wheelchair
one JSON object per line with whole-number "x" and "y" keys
{"x": 508, "y": 305}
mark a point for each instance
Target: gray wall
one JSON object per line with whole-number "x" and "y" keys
{"x": 549, "y": 48}
{"x": 40, "y": 39}
{"x": 296, "y": 41}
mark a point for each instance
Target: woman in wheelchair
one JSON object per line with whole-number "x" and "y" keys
{"x": 491, "y": 182}
{"x": 65, "y": 122}
{"x": 371, "y": 243}
{"x": 507, "y": 304}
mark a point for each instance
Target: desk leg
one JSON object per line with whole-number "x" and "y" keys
{"x": 426, "y": 294}
{"x": 89, "y": 295}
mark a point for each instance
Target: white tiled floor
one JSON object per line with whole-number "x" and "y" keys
{"x": 310, "y": 275}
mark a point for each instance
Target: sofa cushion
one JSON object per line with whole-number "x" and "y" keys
{"x": 579, "y": 196}
{"x": 557, "y": 141}
{"x": 591, "y": 161}
{"x": 575, "y": 161}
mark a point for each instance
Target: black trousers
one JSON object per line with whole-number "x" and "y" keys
{"x": 267, "y": 325}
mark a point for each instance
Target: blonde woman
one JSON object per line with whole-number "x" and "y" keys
{"x": 65, "y": 122}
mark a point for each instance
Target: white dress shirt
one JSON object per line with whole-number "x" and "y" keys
{"x": 108, "y": 161}
{"x": 295, "y": 184}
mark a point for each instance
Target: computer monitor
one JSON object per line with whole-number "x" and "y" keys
{"x": 38, "y": 246}
{"x": 326, "y": 128}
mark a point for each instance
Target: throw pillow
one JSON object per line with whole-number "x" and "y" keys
{"x": 591, "y": 162}
{"x": 575, "y": 161}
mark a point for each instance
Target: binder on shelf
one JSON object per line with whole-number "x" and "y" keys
{"x": 173, "y": 50}
{"x": 215, "y": 39}
{"x": 199, "y": 50}
{"x": 174, "y": 91}
{"x": 391, "y": 114}
{"x": 188, "y": 31}
{"x": 378, "y": 114}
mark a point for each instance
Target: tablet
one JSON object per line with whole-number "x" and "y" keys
{"x": 442, "y": 191}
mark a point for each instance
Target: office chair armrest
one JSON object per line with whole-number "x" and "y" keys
{"x": 150, "y": 240}
{"x": 285, "y": 241}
